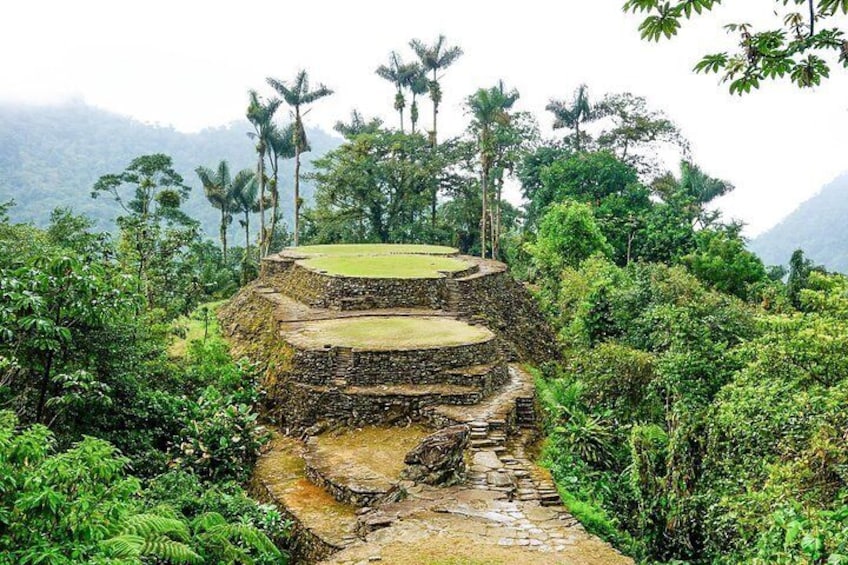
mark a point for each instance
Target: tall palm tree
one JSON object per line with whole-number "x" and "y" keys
{"x": 261, "y": 115}
{"x": 280, "y": 146}
{"x": 246, "y": 201}
{"x": 398, "y": 74}
{"x": 573, "y": 114}
{"x": 297, "y": 95}
{"x": 435, "y": 58}
{"x": 218, "y": 187}
{"x": 418, "y": 85}
{"x": 489, "y": 108}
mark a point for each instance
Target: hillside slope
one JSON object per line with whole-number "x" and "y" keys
{"x": 51, "y": 156}
{"x": 819, "y": 226}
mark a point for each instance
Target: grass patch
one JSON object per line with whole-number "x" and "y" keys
{"x": 388, "y": 332}
{"x": 373, "y": 249}
{"x": 400, "y": 266}
{"x": 194, "y": 327}
{"x": 356, "y": 447}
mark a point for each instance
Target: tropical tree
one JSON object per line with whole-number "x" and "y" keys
{"x": 797, "y": 49}
{"x": 247, "y": 202}
{"x": 261, "y": 115}
{"x": 280, "y": 143}
{"x": 435, "y": 58}
{"x": 397, "y": 73}
{"x": 374, "y": 187}
{"x": 637, "y": 132}
{"x": 217, "y": 185}
{"x": 692, "y": 193}
{"x": 488, "y": 107}
{"x": 573, "y": 114}
{"x": 418, "y": 85}
{"x": 298, "y": 95}
{"x": 154, "y": 230}
{"x": 358, "y": 125}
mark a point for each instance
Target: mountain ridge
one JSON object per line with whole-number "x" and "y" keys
{"x": 51, "y": 156}
{"x": 817, "y": 226}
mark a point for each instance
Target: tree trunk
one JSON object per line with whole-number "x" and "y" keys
{"x": 297, "y": 126}
{"x": 224, "y": 234}
{"x": 260, "y": 171}
{"x": 496, "y": 237}
{"x": 246, "y": 236}
{"x": 434, "y": 139}
{"x": 413, "y": 113}
{"x": 275, "y": 204}
{"x": 483, "y": 233}
{"x": 45, "y": 382}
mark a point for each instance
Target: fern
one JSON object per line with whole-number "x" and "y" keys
{"x": 163, "y": 547}
{"x": 124, "y": 546}
{"x": 147, "y": 525}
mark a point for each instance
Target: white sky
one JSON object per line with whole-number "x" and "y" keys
{"x": 190, "y": 64}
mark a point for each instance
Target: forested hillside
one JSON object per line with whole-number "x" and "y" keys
{"x": 818, "y": 227}
{"x": 50, "y": 156}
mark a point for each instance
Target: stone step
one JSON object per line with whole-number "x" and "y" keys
{"x": 493, "y": 413}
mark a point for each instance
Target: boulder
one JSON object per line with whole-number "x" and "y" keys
{"x": 439, "y": 458}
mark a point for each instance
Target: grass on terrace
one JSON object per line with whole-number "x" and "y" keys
{"x": 402, "y": 266}
{"x": 388, "y": 332}
{"x": 372, "y": 249}
{"x": 355, "y": 449}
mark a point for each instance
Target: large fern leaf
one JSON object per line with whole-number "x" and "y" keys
{"x": 172, "y": 551}
{"x": 148, "y": 525}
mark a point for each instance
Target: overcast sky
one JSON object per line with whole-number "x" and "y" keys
{"x": 190, "y": 63}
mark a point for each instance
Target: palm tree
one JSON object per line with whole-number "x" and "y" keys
{"x": 246, "y": 201}
{"x": 261, "y": 115}
{"x": 418, "y": 85}
{"x": 398, "y": 74}
{"x": 280, "y": 145}
{"x": 298, "y": 95}
{"x": 572, "y": 114}
{"x": 218, "y": 187}
{"x": 489, "y": 107}
{"x": 435, "y": 58}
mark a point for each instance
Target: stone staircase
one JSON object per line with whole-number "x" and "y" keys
{"x": 454, "y": 298}
{"x": 343, "y": 366}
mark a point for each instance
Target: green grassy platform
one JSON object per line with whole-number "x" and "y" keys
{"x": 389, "y": 332}
{"x": 401, "y": 266}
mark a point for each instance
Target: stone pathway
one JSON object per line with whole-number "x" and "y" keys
{"x": 477, "y": 527}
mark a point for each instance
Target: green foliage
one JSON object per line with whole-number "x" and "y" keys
{"x": 377, "y": 188}
{"x": 722, "y": 262}
{"x": 222, "y": 439}
{"x": 77, "y": 506}
{"x": 568, "y": 235}
{"x": 801, "y": 49}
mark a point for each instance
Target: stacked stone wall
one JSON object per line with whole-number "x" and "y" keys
{"x": 412, "y": 366}
{"x": 510, "y": 311}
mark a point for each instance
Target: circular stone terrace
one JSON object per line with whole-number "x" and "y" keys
{"x": 381, "y": 261}
{"x": 382, "y": 333}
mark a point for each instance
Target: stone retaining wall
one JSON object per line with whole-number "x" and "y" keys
{"x": 412, "y": 366}
{"x": 510, "y": 311}
{"x": 302, "y": 406}
{"x": 304, "y": 545}
{"x": 321, "y": 290}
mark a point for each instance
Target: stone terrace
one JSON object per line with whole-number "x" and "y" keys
{"x": 404, "y": 423}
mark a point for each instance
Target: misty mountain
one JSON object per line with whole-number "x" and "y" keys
{"x": 51, "y": 156}
{"x": 819, "y": 226}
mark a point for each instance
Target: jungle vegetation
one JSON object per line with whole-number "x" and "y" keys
{"x": 698, "y": 415}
